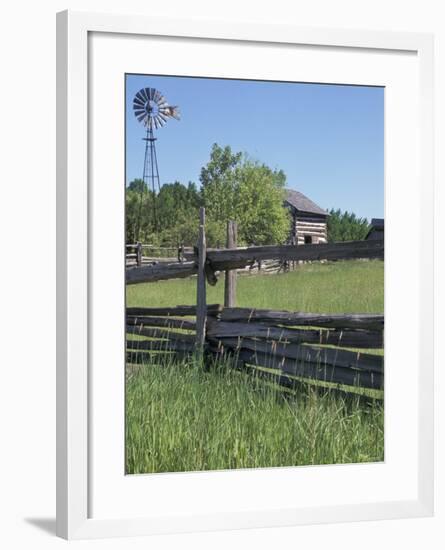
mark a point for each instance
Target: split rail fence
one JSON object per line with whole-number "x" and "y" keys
{"x": 281, "y": 345}
{"x": 139, "y": 254}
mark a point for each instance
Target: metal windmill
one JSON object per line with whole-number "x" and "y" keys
{"x": 152, "y": 110}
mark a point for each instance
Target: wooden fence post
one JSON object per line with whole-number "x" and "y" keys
{"x": 201, "y": 306}
{"x": 138, "y": 254}
{"x": 230, "y": 276}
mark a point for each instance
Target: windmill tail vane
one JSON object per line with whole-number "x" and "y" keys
{"x": 153, "y": 111}
{"x": 174, "y": 112}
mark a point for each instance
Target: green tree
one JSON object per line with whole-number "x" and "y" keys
{"x": 178, "y": 207}
{"x": 138, "y": 212}
{"x": 235, "y": 187}
{"x": 218, "y": 183}
{"x": 259, "y": 204}
{"x": 346, "y": 226}
{"x": 176, "y": 214}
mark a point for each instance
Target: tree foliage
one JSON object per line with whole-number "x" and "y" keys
{"x": 346, "y": 226}
{"x": 176, "y": 207}
{"x": 233, "y": 187}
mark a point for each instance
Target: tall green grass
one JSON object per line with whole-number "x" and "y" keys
{"x": 180, "y": 417}
{"x": 183, "y": 418}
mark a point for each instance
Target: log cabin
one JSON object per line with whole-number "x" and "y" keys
{"x": 377, "y": 230}
{"x": 308, "y": 220}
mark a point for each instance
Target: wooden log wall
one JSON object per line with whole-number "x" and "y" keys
{"x": 313, "y": 227}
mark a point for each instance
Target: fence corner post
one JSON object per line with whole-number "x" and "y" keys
{"x": 138, "y": 254}
{"x": 201, "y": 305}
{"x": 230, "y": 274}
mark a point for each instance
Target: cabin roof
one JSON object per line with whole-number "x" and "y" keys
{"x": 377, "y": 224}
{"x": 302, "y": 203}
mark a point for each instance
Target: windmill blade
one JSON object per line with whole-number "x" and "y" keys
{"x": 138, "y": 107}
{"x": 160, "y": 121}
{"x": 140, "y": 117}
{"x": 139, "y": 96}
{"x": 138, "y": 112}
{"x": 151, "y": 93}
{"x": 138, "y": 100}
{"x": 164, "y": 112}
{"x": 157, "y": 96}
{"x": 162, "y": 117}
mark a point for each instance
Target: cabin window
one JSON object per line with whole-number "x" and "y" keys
{"x": 307, "y": 239}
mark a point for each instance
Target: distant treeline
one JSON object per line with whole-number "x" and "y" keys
{"x": 346, "y": 226}
{"x": 232, "y": 186}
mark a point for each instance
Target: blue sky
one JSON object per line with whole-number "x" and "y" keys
{"x": 328, "y": 139}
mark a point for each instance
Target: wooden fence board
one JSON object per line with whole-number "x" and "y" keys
{"x": 176, "y": 311}
{"x": 311, "y": 354}
{"x": 367, "y": 321}
{"x": 165, "y": 334}
{"x": 338, "y": 375}
{"x": 277, "y": 377}
{"x": 159, "y": 272}
{"x": 237, "y": 258}
{"x": 135, "y": 323}
{"x": 201, "y": 303}
{"x": 345, "y": 338}
{"x": 143, "y": 356}
{"x": 230, "y": 275}
{"x": 240, "y": 257}
{"x": 161, "y": 345}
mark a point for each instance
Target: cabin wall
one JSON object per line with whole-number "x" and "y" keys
{"x": 375, "y": 235}
{"x": 311, "y": 228}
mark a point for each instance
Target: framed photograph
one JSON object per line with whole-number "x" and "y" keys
{"x": 245, "y": 267}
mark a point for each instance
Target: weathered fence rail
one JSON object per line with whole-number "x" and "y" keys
{"x": 240, "y": 257}
{"x": 159, "y": 272}
{"x": 138, "y": 254}
{"x": 345, "y": 320}
{"x": 280, "y": 345}
{"x": 300, "y": 345}
{"x": 237, "y": 258}
{"x": 338, "y": 337}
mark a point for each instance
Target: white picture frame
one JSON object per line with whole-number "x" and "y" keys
{"x": 75, "y": 438}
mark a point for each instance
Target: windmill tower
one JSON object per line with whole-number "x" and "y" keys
{"x": 152, "y": 110}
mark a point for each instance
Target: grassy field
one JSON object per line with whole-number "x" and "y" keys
{"x": 341, "y": 287}
{"x": 183, "y": 418}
